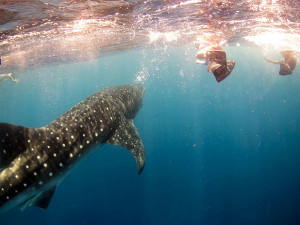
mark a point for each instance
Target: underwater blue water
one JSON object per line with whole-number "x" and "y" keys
{"x": 216, "y": 153}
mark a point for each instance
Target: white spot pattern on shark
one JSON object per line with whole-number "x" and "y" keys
{"x": 34, "y": 160}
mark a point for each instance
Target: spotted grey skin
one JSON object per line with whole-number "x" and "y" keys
{"x": 34, "y": 160}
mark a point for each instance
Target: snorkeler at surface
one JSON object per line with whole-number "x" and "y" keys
{"x": 7, "y": 75}
{"x": 215, "y": 56}
{"x": 287, "y": 64}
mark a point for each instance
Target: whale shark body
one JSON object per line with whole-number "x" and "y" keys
{"x": 33, "y": 161}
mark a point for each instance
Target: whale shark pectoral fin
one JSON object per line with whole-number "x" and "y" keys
{"x": 13, "y": 141}
{"x": 41, "y": 200}
{"x": 128, "y": 137}
{"x": 44, "y": 199}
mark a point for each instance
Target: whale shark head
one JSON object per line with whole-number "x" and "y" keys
{"x": 136, "y": 102}
{"x": 129, "y": 97}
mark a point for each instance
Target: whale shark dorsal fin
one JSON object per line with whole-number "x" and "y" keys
{"x": 128, "y": 137}
{"x": 13, "y": 141}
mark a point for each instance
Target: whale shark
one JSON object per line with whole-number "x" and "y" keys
{"x": 33, "y": 161}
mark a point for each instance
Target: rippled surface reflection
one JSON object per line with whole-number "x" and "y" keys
{"x": 34, "y": 32}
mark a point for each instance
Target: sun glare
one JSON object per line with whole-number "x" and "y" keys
{"x": 275, "y": 40}
{"x": 167, "y": 36}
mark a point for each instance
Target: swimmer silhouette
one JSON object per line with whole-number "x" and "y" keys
{"x": 218, "y": 63}
{"x": 8, "y": 75}
{"x": 287, "y": 64}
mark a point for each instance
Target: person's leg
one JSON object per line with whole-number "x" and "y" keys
{"x": 11, "y": 76}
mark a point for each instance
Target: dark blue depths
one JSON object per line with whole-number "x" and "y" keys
{"x": 216, "y": 153}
